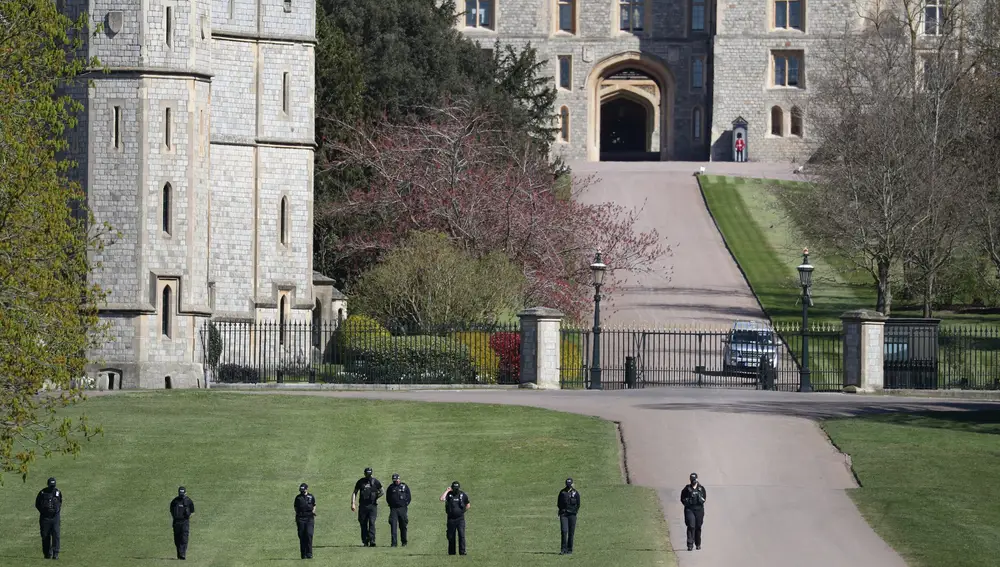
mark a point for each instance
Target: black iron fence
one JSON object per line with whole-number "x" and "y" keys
{"x": 703, "y": 357}
{"x": 969, "y": 358}
{"x": 360, "y": 351}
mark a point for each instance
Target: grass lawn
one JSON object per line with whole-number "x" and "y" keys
{"x": 768, "y": 246}
{"x": 242, "y": 457}
{"x": 929, "y": 483}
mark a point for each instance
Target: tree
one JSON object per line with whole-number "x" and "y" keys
{"x": 48, "y": 312}
{"x": 389, "y": 61}
{"x": 428, "y": 282}
{"x": 887, "y": 182}
{"x": 459, "y": 172}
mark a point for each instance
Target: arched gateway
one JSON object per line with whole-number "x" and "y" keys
{"x": 630, "y": 100}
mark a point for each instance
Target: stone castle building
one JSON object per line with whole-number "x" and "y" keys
{"x": 666, "y": 79}
{"x": 196, "y": 145}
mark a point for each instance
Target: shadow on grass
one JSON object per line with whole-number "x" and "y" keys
{"x": 985, "y": 415}
{"x": 983, "y": 421}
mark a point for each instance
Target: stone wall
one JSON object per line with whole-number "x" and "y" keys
{"x": 743, "y": 75}
{"x": 233, "y": 150}
{"x": 668, "y": 38}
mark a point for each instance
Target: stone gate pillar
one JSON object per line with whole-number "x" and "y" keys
{"x": 540, "y": 356}
{"x": 864, "y": 344}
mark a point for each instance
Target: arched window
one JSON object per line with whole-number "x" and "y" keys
{"x": 697, "y": 124}
{"x": 777, "y": 121}
{"x": 283, "y": 221}
{"x": 796, "y": 121}
{"x": 564, "y": 124}
{"x": 166, "y": 207}
{"x": 165, "y": 312}
{"x": 282, "y": 305}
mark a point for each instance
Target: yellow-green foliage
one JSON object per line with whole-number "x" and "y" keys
{"x": 361, "y": 331}
{"x": 571, "y": 360}
{"x": 483, "y": 356}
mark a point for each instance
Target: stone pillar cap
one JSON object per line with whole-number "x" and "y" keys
{"x": 542, "y": 313}
{"x": 864, "y": 315}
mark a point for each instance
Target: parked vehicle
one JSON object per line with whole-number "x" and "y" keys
{"x": 748, "y": 343}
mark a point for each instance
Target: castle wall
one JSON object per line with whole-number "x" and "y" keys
{"x": 222, "y": 127}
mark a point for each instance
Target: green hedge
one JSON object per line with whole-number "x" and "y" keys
{"x": 413, "y": 360}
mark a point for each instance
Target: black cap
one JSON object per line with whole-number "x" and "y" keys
{"x": 182, "y": 491}
{"x": 569, "y": 482}
{"x": 303, "y": 486}
{"x": 395, "y": 476}
{"x": 52, "y": 481}
{"x": 455, "y": 485}
{"x": 368, "y": 471}
{"x": 694, "y": 477}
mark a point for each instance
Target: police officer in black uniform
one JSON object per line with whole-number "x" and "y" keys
{"x": 398, "y": 497}
{"x": 181, "y": 509}
{"x": 305, "y": 514}
{"x": 370, "y": 490}
{"x": 569, "y": 505}
{"x": 49, "y": 506}
{"x": 456, "y": 503}
{"x": 693, "y": 497}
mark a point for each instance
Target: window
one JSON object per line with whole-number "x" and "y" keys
{"x": 166, "y": 208}
{"x": 288, "y": 6}
{"x": 165, "y": 312}
{"x": 201, "y": 132}
{"x": 564, "y": 124}
{"x": 777, "y": 121}
{"x": 118, "y": 127}
{"x": 232, "y": 9}
{"x": 698, "y": 15}
{"x": 479, "y": 13}
{"x": 631, "y": 15}
{"x": 284, "y": 92}
{"x": 169, "y": 26}
{"x": 567, "y": 16}
{"x": 788, "y": 14}
{"x": 697, "y": 73}
{"x": 282, "y": 307}
{"x": 935, "y": 17}
{"x": 566, "y": 72}
{"x": 166, "y": 128}
{"x": 796, "y": 121}
{"x": 283, "y": 221}
{"x": 697, "y": 124}
{"x": 788, "y": 69}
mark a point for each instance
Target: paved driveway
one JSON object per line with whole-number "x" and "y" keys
{"x": 776, "y": 487}
{"x": 700, "y": 283}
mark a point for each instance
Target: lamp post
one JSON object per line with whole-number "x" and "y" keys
{"x": 597, "y": 269}
{"x": 805, "y": 280}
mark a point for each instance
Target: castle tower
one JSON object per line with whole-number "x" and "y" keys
{"x": 214, "y": 215}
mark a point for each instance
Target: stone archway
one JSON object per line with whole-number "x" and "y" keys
{"x": 642, "y": 79}
{"x": 628, "y": 126}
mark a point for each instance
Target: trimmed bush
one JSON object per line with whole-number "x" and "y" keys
{"x": 414, "y": 360}
{"x": 570, "y": 361}
{"x": 507, "y": 345}
{"x": 236, "y": 374}
{"x": 485, "y": 359}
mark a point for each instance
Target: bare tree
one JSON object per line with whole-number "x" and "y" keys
{"x": 890, "y": 109}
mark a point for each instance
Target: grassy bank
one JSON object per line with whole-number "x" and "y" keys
{"x": 242, "y": 457}
{"x": 928, "y": 483}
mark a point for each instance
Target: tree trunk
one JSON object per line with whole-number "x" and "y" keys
{"x": 928, "y": 295}
{"x": 884, "y": 302}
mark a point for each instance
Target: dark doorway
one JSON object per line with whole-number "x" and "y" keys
{"x": 624, "y": 124}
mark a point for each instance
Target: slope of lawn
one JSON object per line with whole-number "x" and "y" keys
{"x": 242, "y": 457}
{"x": 768, "y": 247}
{"x": 928, "y": 483}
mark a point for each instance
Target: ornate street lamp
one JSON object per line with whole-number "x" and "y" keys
{"x": 597, "y": 269}
{"x": 805, "y": 280}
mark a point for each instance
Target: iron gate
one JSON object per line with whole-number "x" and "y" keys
{"x": 701, "y": 358}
